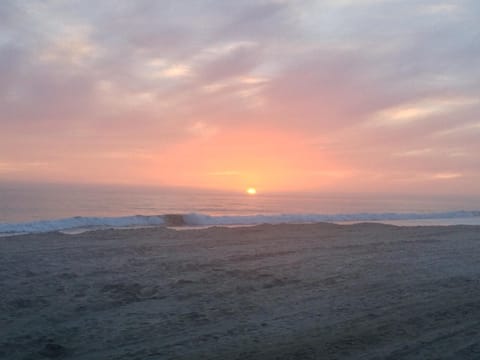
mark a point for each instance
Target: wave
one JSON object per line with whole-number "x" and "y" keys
{"x": 80, "y": 222}
{"x": 197, "y": 219}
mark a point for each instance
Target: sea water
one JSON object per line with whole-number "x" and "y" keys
{"x": 49, "y": 207}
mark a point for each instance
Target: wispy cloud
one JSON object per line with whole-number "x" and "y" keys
{"x": 384, "y": 84}
{"x": 408, "y": 113}
{"x": 447, "y": 176}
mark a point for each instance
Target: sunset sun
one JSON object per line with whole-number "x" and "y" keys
{"x": 251, "y": 191}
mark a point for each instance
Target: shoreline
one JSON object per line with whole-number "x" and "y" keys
{"x": 286, "y": 291}
{"x": 78, "y": 231}
{"x": 79, "y": 224}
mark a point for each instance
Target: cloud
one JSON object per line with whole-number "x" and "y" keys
{"x": 200, "y": 128}
{"x": 381, "y": 80}
{"x": 225, "y": 173}
{"x": 440, "y": 8}
{"x": 72, "y": 48}
{"x": 416, "y": 152}
{"x": 408, "y": 113}
{"x": 447, "y": 176}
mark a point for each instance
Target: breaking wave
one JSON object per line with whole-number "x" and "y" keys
{"x": 197, "y": 219}
{"x": 80, "y": 222}
{"x": 206, "y": 220}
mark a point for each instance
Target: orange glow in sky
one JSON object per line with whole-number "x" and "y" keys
{"x": 280, "y": 95}
{"x": 270, "y": 159}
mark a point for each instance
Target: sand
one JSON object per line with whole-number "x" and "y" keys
{"x": 318, "y": 291}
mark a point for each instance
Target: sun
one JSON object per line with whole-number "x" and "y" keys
{"x": 251, "y": 191}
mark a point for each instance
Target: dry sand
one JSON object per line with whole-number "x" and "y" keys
{"x": 318, "y": 291}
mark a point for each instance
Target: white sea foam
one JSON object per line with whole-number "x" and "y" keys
{"x": 80, "y": 222}
{"x": 198, "y": 219}
{"x": 195, "y": 219}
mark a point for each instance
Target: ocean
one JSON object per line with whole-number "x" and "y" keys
{"x": 27, "y": 208}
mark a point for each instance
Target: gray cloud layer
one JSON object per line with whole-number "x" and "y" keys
{"x": 391, "y": 86}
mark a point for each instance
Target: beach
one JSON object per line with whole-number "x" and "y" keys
{"x": 285, "y": 291}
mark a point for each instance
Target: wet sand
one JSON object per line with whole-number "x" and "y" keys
{"x": 318, "y": 291}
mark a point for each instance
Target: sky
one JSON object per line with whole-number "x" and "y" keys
{"x": 345, "y": 95}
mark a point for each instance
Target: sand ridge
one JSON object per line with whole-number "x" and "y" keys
{"x": 310, "y": 291}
